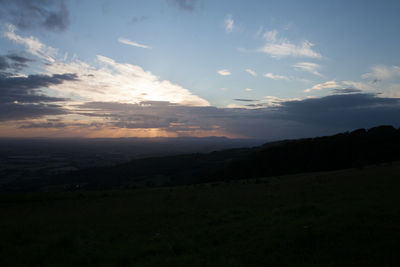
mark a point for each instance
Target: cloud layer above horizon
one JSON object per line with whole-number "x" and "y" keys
{"x": 48, "y": 92}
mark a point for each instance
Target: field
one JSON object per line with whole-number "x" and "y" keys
{"x": 342, "y": 218}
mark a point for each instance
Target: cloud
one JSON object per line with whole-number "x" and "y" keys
{"x": 184, "y": 120}
{"x": 44, "y": 125}
{"x": 344, "y": 112}
{"x": 382, "y": 72}
{"x": 132, "y": 43}
{"x": 32, "y": 44}
{"x": 155, "y": 114}
{"x": 3, "y": 63}
{"x": 275, "y": 76}
{"x": 224, "y": 72}
{"x": 111, "y": 98}
{"x": 13, "y": 62}
{"x": 23, "y": 98}
{"x": 109, "y": 80}
{"x": 272, "y": 101}
{"x": 271, "y": 35}
{"x": 120, "y": 82}
{"x": 16, "y": 111}
{"x": 251, "y": 72}
{"x": 186, "y": 5}
{"x": 280, "y": 47}
{"x": 28, "y": 89}
{"x": 244, "y": 100}
{"x": 308, "y": 67}
{"x": 19, "y": 58}
{"x": 50, "y": 15}
{"x": 384, "y": 88}
{"x": 229, "y": 23}
{"x": 281, "y": 119}
{"x": 325, "y": 85}
{"x": 366, "y": 87}
{"x": 248, "y": 89}
{"x": 346, "y": 91}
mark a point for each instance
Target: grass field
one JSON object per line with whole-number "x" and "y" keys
{"x": 342, "y": 218}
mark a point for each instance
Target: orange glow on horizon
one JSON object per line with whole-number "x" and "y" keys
{"x": 11, "y": 131}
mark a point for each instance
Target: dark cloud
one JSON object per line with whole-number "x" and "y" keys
{"x": 346, "y": 91}
{"x": 52, "y": 123}
{"x": 343, "y": 112}
{"x": 292, "y": 119}
{"x": 338, "y": 102}
{"x": 49, "y": 14}
{"x": 27, "y": 89}
{"x": 153, "y": 114}
{"x": 187, "y": 5}
{"x": 44, "y": 125}
{"x": 4, "y": 63}
{"x": 22, "y": 98}
{"x": 17, "y": 111}
{"x": 57, "y": 124}
{"x": 19, "y": 58}
{"x": 244, "y": 100}
{"x": 13, "y": 62}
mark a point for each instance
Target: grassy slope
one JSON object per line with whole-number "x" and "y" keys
{"x": 349, "y": 217}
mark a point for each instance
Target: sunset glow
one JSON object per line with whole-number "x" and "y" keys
{"x": 196, "y": 68}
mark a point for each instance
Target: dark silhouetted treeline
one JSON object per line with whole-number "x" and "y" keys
{"x": 345, "y": 150}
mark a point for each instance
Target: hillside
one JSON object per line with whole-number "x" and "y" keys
{"x": 358, "y": 148}
{"x": 342, "y": 218}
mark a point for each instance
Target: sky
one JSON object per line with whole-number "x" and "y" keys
{"x": 171, "y": 68}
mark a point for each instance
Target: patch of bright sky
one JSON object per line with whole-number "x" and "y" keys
{"x": 189, "y": 47}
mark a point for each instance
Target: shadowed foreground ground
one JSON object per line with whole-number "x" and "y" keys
{"x": 342, "y": 218}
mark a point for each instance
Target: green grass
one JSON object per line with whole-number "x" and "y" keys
{"x": 341, "y": 218}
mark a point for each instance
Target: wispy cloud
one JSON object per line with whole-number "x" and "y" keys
{"x": 308, "y": 67}
{"x": 224, "y": 72}
{"x": 386, "y": 89}
{"x": 281, "y": 47}
{"x": 271, "y": 35}
{"x": 132, "y": 43}
{"x": 275, "y": 76}
{"x": 325, "y": 85}
{"x": 229, "y": 23}
{"x": 32, "y": 44}
{"x": 364, "y": 86}
{"x": 251, "y": 72}
{"x": 382, "y": 72}
{"x": 248, "y": 89}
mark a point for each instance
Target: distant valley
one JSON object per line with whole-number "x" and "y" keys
{"x": 172, "y": 167}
